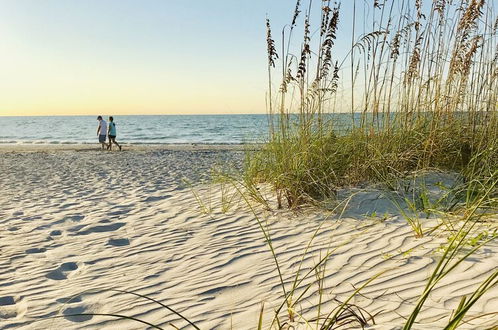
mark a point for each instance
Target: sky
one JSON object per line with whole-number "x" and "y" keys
{"x": 87, "y": 57}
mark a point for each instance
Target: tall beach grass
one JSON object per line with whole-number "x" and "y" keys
{"x": 420, "y": 85}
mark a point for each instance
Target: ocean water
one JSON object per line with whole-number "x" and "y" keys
{"x": 165, "y": 129}
{"x": 162, "y": 129}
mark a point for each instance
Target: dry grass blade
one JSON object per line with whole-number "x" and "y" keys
{"x": 159, "y": 303}
{"x": 339, "y": 313}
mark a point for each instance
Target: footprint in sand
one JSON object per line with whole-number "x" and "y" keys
{"x": 12, "y": 307}
{"x": 101, "y": 229}
{"x": 55, "y": 233}
{"x": 72, "y": 314}
{"x": 69, "y": 300}
{"x": 73, "y": 217}
{"x": 35, "y": 250}
{"x": 118, "y": 242}
{"x": 62, "y": 271}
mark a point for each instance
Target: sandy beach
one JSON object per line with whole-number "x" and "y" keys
{"x": 76, "y": 223}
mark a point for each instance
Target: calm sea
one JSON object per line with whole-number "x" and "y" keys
{"x": 167, "y": 129}
{"x": 164, "y": 129}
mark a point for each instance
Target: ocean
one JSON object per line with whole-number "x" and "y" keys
{"x": 150, "y": 129}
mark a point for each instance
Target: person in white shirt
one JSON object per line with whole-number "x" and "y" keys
{"x": 102, "y": 132}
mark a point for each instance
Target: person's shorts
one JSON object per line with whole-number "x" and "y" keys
{"x": 102, "y": 138}
{"x": 112, "y": 136}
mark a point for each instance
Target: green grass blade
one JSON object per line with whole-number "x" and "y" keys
{"x": 260, "y": 321}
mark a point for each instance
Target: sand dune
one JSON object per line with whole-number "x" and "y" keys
{"x": 74, "y": 225}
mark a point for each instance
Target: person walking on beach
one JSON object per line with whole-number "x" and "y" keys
{"x": 102, "y": 131}
{"x": 112, "y": 134}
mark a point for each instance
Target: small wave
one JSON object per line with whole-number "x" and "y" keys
{"x": 176, "y": 143}
{"x": 149, "y": 138}
{"x": 42, "y": 142}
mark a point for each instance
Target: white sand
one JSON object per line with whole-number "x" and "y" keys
{"x": 76, "y": 224}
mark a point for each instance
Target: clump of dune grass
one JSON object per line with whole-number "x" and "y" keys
{"x": 421, "y": 91}
{"x": 420, "y": 86}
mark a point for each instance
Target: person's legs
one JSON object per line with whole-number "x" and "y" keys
{"x": 111, "y": 140}
{"x": 102, "y": 141}
{"x": 114, "y": 140}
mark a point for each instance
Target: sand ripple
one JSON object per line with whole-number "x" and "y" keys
{"x": 74, "y": 225}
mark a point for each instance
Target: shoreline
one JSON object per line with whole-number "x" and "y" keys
{"x": 7, "y": 148}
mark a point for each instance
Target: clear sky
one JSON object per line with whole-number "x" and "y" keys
{"x": 65, "y": 57}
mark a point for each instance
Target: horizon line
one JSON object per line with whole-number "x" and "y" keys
{"x": 149, "y": 114}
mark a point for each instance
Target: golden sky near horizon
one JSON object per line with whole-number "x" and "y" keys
{"x": 65, "y": 87}
{"x": 131, "y": 57}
